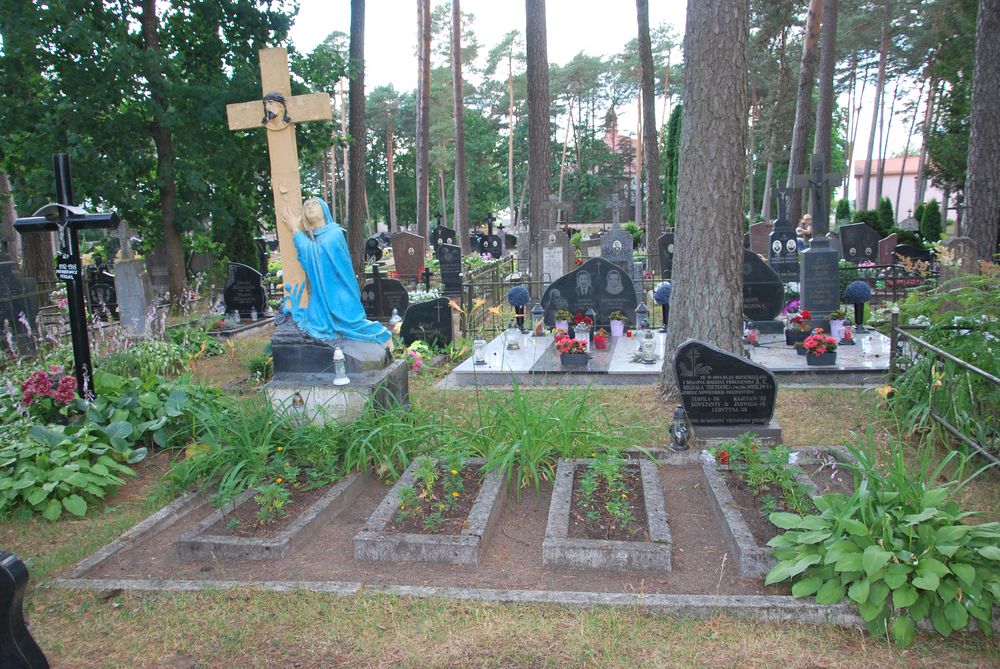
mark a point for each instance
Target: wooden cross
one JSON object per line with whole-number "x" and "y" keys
{"x": 279, "y": 111}
{"x": 437, "y": 217}
{"x": 66, "y": 219}
{"x": 819, "y": 185}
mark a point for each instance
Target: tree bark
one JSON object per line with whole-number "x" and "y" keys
{"x": 423, "y": 141}
{"x": 918, "y": 196}
{"x": 982, "y": 181}
{"x": 510, "y": 136}
{"x": 390, "y": 168}
{"x": 462, "y": 227}
{"x": 827, "y": 70}
{"x": 865, "y": 188}
{"x": 346, "y": 155}
{"x": 883, "y": 149}
{"x": 356, "y": 159}
{"x": 562, "y": 161}
{"x": 638, "y": 167}
{"x": 8, "y": 237}
{"x": 803, "y": 104}
{"x": 906, "y": 151}
{"x": 173, "y": 245}
{"x": 707, "y": 298}
{"x": 651, "y": 147}
{"x": 539, "y": 137}
{"x": 444, "y": 195}
{"x": 772, "y": 142}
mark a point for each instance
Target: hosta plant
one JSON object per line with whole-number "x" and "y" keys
{"x": 898, "y": 548}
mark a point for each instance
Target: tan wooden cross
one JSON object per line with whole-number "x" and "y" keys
{"x": 279, "y": 111}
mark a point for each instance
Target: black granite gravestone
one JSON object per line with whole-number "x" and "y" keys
{"x": 859, "y": 242}
{"x": 597, "y": 284}
{"x": 719, "y": 388}
{"x": 373, "y": 250}
{"x": 617, "y": 247}
{"x": 510, "y": 243}
{"x": 263, "y": 254}
{"x": 380, "y": 296}
{"x": 18, "y": 298}
{"x": 442, "y": 235}
{"x": 17, "y": 649}
{"x": 665, "y": 247}
{"x": 244, "y": 290}
{"x": 428, "y": 321}
{"x": 450, "y": 258}
{"x": 783, "y": 252}
{"x": 490, "y": 244}
{"x": 763, "y": 291}
{"x": 913, "y": 253}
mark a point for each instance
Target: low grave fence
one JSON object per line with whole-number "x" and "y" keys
{"x": 889, "y": 283}
{"x": 959, "y": 396}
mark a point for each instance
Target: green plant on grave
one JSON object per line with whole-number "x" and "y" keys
{"x": 522, "y": 436}
{"x": 761, "y": 468}
{"x": 147, "y": 357}
{"x": 261, "y": 367}
{"x": 62, "y": 467}
{"x": 898, "y": 547}
{"x": 608, "y": 468}
{"x": 271, "y": 500}
{"x": 385, "y": 440}
{"x": 195, "y": 341}
{"x": 423, "y": 499}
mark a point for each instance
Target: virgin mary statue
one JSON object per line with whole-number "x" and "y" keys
{"x": 334, "y": 308}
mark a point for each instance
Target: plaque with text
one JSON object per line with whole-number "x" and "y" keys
{"x": 719, "y": 388}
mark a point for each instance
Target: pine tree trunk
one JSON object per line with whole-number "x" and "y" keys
{"x": 510, "y": 138}
{"x": 166, "y": 179}
{"x": 562, "y": 161}
{"x": 707, "y": 298}
{"x": 772, "y": 142}
{"x": 906, "y": 152}
{"x": 884, "y": 145}
{"x": 444, "y": 197}
{"x": 356, "y": 159}
{"x": 827, "y": 70}
{"x": 539, "y": 139}
{"x": 803, "y": 104}
{"x": 423, "y": 116}
{"x": 982, "y": 182}
{"x": 918, "y": 196}
{"x": 863, "y": 191}
{"x": 346, "y": 155}
{"x": 390, "y": 166}
{"x": 638, "y": 168}
{"x": 8, "y": 237}
{"x": 462, "y": 226}
{"x": 651, "y": 148}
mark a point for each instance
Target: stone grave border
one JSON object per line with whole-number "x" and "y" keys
{"x": 763, "y": 608}
{"x": 752, "y": 559}
{"x": 240, "y": 331}
{"x": 374, "y": 543}
{"x": 560, "y": 551}
{"x": 199, "y": 543}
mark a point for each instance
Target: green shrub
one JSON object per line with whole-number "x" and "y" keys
{"x": 576, "y": 240}
{"x": 149, "y": 356}
{"x": 261, "y": 367}
{"x": 930, "y": 222}
{"x": 195, "y": 341}
{"x": 898, "y": 547}
{"x": 887, "y": 221}
{"x": 635, "y": 231}
{"x": 843, "y": 210}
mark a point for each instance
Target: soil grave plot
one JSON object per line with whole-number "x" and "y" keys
{"x": 511, "y": 561}
{"x": 573, "y": 540}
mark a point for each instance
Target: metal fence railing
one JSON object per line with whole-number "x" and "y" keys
{"x": 962, "y": 398}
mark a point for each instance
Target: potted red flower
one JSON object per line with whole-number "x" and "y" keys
{"x": 798, "y": 327}
{"x": 821, "y": 349}
{"x": 572, "y": 352}
{"x": 601, "y": 339}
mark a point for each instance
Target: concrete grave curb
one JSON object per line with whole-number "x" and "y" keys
{"x": 374, "y": 543}
{"x": 752, "y": 560}
{"x": 559, "y": 550}
{"x": 199, "y": 543}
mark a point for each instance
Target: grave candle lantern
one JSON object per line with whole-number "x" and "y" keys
{"x": 642, "y": 317}
{"x": 537, "y": 320}
{"x": 339, "y": 368}
{"x": 479, "y": 352}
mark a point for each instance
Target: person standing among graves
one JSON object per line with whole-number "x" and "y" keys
{"x": 334, "y": 308}
{"x": 805, "y": 230}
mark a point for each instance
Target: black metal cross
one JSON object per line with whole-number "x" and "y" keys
{"x": 781, "y": 195}
{"x": 377, "y": 285}
{"x": 437, "y": 217}
{"x": 819, "y": 185}
{"x": 61, "y": 216}
{"x": 490, "y": 218}
{"x": 426, "y": 275}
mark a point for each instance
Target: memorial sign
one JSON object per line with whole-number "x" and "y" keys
{"x": 450, "y": 261}
{"x": 408, "y": 254}
{"x": 783, "y": 253}
{"x": 428, "y": 321}
{"x": 719, "y": 388}
{"x": 557, "y": 255}
{"x": 763, "y": 291}
{"x": 887, "y": 249}
{"x": 379, "y": 296}
{"x": 760, "y": 234}
{"x": 244, "y": 291}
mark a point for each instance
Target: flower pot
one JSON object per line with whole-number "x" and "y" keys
{"x": 562, "y": 325}
{"x": 617, "y": 328}
{"x": 600, "y": 343}
{"x": 828, "y": 358}
{"x": 573, "y": 359}
{"x": 837, "y": 328}
{"x": 801, "y": 351}
{"x": 792, "y": 336}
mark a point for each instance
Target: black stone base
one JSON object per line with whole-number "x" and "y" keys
{"x": 770, "y": 432}
{"x": 768, "y": 327}
{"x": 295, "y": 352}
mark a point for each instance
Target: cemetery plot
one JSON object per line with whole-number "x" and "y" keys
{"x": 425, "y": 518}
{"x": 235, "y": 532}
{"x": 605, "y": 514}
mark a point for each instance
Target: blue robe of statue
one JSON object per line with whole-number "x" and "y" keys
{"x": 334, "y": 308}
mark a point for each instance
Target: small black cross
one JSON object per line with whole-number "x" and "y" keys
{"x": 377, "y": 285}
{"x": 426, "y": 275}
{"x": 437, "y": 217}
{"x": 781, "y": 194}
{"x": 66, "y": 219}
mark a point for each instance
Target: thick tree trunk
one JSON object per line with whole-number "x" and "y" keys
{"x": 510, "y": 138}
{"x": 865, "y": 187}
{"x": 334, "y": 206}
{"x": 638, "y": 168}
{"x": 651, "y": 147}
{"x": 390, "y": 168}
{"x": 173, "y": 245}
{"x": 562, "y": 161}
{"x": 918, "y": 196}
{"x": 982, "y": 181}
{"x": 803, "y": 104}
{"x": 827, "y": 70}
{"x": 444, "y": 198}
{"x": 8, "y": 237}
{"x": 539, "y": 138}
{"x": 707, "y": 298}
{"x": 357, "y": 202}
{"x": 346, "y": 156}
{"x": 462, "y": 226}
{"x": 423, "y": 116}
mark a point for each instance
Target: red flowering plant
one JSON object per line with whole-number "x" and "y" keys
{"x": 601, "y": 339}
{"x": 47, "y": 395}
{"x": 819, "y": 343}
{"x": 799, "y": 321}
{"x": 579, "y": 319}
{"x": 566, "y": 345}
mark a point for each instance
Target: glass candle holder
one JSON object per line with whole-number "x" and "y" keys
{"x": 479, "y": 352}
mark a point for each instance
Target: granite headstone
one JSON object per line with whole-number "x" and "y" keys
{"x": 442, "y": 235}
{"x": 914, "y": 253}
{"x": 156, "y": 265}
{"x": 964, "y": 258}
{"x": 665, "y": 247}
{"x": 617, "y": 248}
{"x": 101, "y": 295}
{"x": 763, "y": 291}
{"x": 909, "y": 223}
{"x": 760, "y": 234}
{"x": 490, "y": 244}
{"x": 428, "y": 321}
{"x": 450, "y": 259}
{"x": 408, "y": 254}
{"x": 379, "y": 296}
{"x": 887, "y": 249}
{"x": 373, "y": 250}
{"x": 597, "y": 284}
{"x": 244, "y": 291}
{"x": 557, "y": 255}
{"x": 719, "y": 388}
{"x": 18, "y": 295}
{"x": 18, "y": 650}
{"x": 859, "y": 242}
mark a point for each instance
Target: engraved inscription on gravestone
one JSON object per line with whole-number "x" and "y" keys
{"x": 408, "y": 254}
{"x": 719, "y": 388}
{"x": 450, "y": 259}
{"x": 244, "y": 291}
{"x": 557, "y": 255}
{"x": 598, "y": 285}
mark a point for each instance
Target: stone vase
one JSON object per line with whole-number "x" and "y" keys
{"x": 828, "y": 358}
{"x": 617, "y": 328}
{"x": 793, "y": 336}
{"x": 837, "y": 328}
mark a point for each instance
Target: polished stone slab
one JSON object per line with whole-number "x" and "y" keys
{"x": 864, "y": 363}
